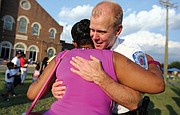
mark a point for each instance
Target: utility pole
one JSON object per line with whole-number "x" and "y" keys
{"x": 168, "y": 5}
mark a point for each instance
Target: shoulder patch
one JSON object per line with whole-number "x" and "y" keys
{"x": 140, "y": 58}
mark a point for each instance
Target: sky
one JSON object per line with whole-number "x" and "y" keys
{"x": 144, "y": 23}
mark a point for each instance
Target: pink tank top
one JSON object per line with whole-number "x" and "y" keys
{"x": 82, "y": 97}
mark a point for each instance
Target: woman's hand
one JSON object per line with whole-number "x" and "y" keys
{"x": 58, "y": 90}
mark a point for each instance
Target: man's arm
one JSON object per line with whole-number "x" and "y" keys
{"x": 122, "y": 94}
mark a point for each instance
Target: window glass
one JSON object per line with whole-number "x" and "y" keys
{"x": 8, "y": 23}
{"x": 5, "y": 51}
{"x": 25, "y": 5}
{"x": 35, "y": 30}
{"x": 52, "y": 33}
{"x": 50, "y": 53}
{"x": 32, "y": 54}
{"x": 19, "y": 47}
{"x": 22, "y": 25}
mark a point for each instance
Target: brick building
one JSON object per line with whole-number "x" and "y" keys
{"x": 26, "y": 26}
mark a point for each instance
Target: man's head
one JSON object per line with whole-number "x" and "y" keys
{"x": 19, "y": 54}
{"x": 23, "y": 54}
{"x": 105, "y": 24}
{"x": 81, "y": 34}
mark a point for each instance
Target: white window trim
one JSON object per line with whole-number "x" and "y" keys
{"x": 38, "y": 25}
{"x": 52, "y": 49}
{"x": 4, "y": 17}
{"x": 27, "y": 19}
{"x": 54, "y": 32}
{"x": 23, "y": 44}
{"x": 28, "y": 4}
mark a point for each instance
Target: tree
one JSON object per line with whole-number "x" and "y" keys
{"x": 175, "y": 64}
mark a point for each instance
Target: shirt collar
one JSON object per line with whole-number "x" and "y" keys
{"x": 117, "y": 42}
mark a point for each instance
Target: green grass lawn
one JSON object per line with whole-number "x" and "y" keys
{"x": 167, "y": 103}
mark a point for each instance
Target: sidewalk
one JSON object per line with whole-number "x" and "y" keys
{"x": 30, "y": 68}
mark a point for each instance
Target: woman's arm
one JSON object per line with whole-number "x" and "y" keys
{"x": 136, "y": 77}
{"x": 37, "y": 85}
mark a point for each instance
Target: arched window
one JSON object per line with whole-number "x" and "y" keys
{"x": 19, "y": 47}
{"x": 22, "y": 25}
{"x": 8, "y": 22}
{"x": 5, "y": 50}
{"x": 51, "y": 52}
{"x": 52, "y": 33}
{"x": 35, "y": 30}
{"x": 32, "y": 53}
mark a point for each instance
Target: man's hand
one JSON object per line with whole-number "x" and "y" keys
{"x": 89, "y": 70}
{"x": 58, "y": 90}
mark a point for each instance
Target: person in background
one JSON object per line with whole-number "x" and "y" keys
{"x": 51, "y": 58}
{"x": 24, "y": 65}
{"x": 5, "y": 61}
{"x": 105, "y": 27}
{"x": 44, "y": 64}
{"x": 36, "y": 73}
{"x": 9, "y": 81}
{"x": 16, "y": 62}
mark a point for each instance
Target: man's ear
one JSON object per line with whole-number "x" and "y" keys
{"x": 119, "y": 29}
{"x": 75, "y": 44}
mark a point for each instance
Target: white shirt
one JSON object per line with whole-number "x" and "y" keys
{"x": 11, "y": 73}
{"x": 132, "y": 51}
{"x": 16, "y": 62}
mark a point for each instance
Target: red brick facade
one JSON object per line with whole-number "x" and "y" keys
{"x": 25, "y": 16}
